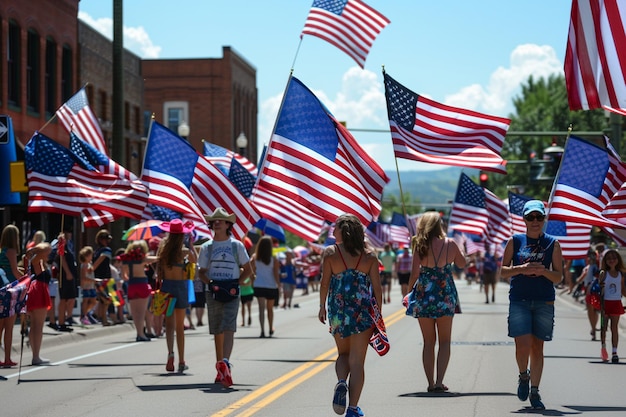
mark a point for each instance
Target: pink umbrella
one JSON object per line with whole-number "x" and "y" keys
{"x": 144, "y": 230}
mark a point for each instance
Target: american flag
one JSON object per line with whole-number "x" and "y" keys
{"x": 374, "y": 236}
{"x": 595, "y": 73}
{"x": 292, "y": 216}
{"x": 186, "y": 182}
{"x": 469, "y": 211}
{"x": 76, "y": 116}
{"x": 80, "y": 181}
{"x": 427, "y": 131}
{"x": 574, "y": 238}
{"x": 314, "y": 161}
{"x": 583, "y": 198}
{"x": 350, "y": 25}
{"x": 499, "y": 226}
{"x": 394, "y": 232}
{"x": 241, "y": 178}
{"x": 411, "y": 221}
{"x": 615, "y": 185}
{"x": 222, "y": 158}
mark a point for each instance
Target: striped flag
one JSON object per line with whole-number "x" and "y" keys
{"x": 241, "y": 178}
{"x": 314, "y": 161}
{"x": 427, "y": 131}
{"x": 76, "y": 116}
{"x": 222, "y": 158}
{"x": 80, "y": 181}
{"x": 595, "y": 59}
{"x": 293, "y": 217}
{"x": 574, "y": 238}
{"x": 583, "y": 198}
{"x": 469, "y": 212}
{"x": 184, "y": 181}
{"x": 350, "y": 25}
{"x": 499, "y": 226}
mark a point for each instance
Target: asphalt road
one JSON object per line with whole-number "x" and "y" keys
{"x": 102, "y": 371}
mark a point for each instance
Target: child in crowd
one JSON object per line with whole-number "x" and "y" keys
{"x": 87, "y": 285}
{"x": 612, "y": 283}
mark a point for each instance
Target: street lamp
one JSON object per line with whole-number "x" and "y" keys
{"x": 242, "y": 143}
{"x": 183, "y": 130}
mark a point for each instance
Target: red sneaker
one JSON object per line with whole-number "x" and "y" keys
{"x": 223, "y": 373}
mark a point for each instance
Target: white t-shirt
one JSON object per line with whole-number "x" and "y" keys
{"x": 222, "y": 265}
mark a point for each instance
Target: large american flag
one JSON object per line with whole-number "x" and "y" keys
{"x": 499, "y": 226}
{"x": 292, "y": 216}
{"x": 395, "y": 232}
{"x": 222, "y": 158}
{"x": 350, "y": 25}
{"x": 574, "y": 238}
{"x": 427, "y": 131}
{"x": 595, "y": 59}
{"x": 314, "y": 161}
{"x": 182, "y": 180}
{"x": 588, "y": 178}
{"x": 80, "y": 181}
{"x": 76, "y": 116}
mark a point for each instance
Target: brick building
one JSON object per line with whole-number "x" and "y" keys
{"x": 47, "y": 54}
{"x": 216, "y": 97}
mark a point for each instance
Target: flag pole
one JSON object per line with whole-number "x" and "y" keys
{"x": 61, "y": 260}
{"x": 54, "y": 116}
{"x": 293, "y": 64}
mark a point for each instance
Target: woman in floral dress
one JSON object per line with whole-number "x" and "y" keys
{"x": 350, "y": 283}
{"x": 434, "y": 298}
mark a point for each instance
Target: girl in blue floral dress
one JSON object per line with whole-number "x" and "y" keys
{"x": 350, "y": 282}
{"x": 434, "y": 298}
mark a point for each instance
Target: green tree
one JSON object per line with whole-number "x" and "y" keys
{"x": 541, "y": 106}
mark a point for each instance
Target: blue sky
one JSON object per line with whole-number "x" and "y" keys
{"x": 469, "y": 54}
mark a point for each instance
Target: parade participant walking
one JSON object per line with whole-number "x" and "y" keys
{"x": 9, "y": 272}
{"x": 433, "y": 298}
{"x": 534, "y": 264}
{"x": 172, "y": 272}
{"x": 38, "y": 301}
{"x": 266, "y": 283}
{"x": 611, "y": 280}
{"x": 134, "y": 262}
{"x": 221, "y": 261}
{"x": 102, "y": 271}
{"x": 388, "y": 259}
{"x": 350, "y": 283}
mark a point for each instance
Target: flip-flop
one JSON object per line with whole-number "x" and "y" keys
{"x": 441, "y": 388}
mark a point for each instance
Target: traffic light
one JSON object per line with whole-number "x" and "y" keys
{"x": 484, "y": 179}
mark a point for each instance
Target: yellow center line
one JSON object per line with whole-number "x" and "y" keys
{"x": 304, "y": 369}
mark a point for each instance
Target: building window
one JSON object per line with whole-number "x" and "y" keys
{"x": 13, "y": 67}
{"x": 137, "y": 114}
{"x": 33, "y": 63}
{"x": 51, "y": 76}
{"x": 67, "y": 73}
{"x": 127, "y": 115}
{"x": 175, "y": 113}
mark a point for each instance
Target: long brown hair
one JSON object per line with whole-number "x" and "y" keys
{"x": 10, "y": 238}
{"x": 264, "y": 250}
{"x": 429, "y": 227}
{"x": 170, "y": 251}
{"x": 352, "y": 235}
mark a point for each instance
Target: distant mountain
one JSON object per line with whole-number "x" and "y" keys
{"x": 432, "y": 188}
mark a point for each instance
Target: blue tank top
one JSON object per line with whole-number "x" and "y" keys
{"x": 527, "y": 249}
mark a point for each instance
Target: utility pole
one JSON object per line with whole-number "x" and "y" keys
{"x": 119, "y": 147}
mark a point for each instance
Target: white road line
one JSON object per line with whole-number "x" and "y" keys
{"x": 76, "y": 358}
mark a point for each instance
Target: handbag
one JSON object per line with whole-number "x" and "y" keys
{"x": 224, "y": 291}
{"x": 379, "y": 340}
{"x": 163, "y": 303}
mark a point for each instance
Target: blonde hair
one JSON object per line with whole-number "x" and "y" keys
{"x": 137, "y": 244}
{"x": 84, "y": 253}
{"x": 429, "y": 227}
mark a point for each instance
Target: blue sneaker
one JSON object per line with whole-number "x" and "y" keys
{"x": 339, "y": 397}
{"x": 354, "y": 412}
{"x": 523, "y": 385}
{"x": 535, "y": 401}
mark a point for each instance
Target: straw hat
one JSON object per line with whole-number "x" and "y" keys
{"x": 177, "y": 226}
{"x": 221, "y": 214}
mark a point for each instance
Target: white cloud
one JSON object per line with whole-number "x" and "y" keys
{"x": 136, "y": 39}
{"x": 496, "y": 97}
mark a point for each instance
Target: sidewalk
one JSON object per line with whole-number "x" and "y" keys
{"x": 81, "y": 332}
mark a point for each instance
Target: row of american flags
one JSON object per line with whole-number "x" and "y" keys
{"x": 313, "y": 169}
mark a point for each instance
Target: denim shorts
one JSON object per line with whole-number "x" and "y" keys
{"x": 178, "y": 289}
{"x": 531, "y": 317}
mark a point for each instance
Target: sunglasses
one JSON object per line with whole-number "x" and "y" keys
{"x": 533, "y": 217}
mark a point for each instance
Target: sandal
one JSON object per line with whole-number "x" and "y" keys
{"x": 169, "y": 367}
{"x": 440, "y": 388}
